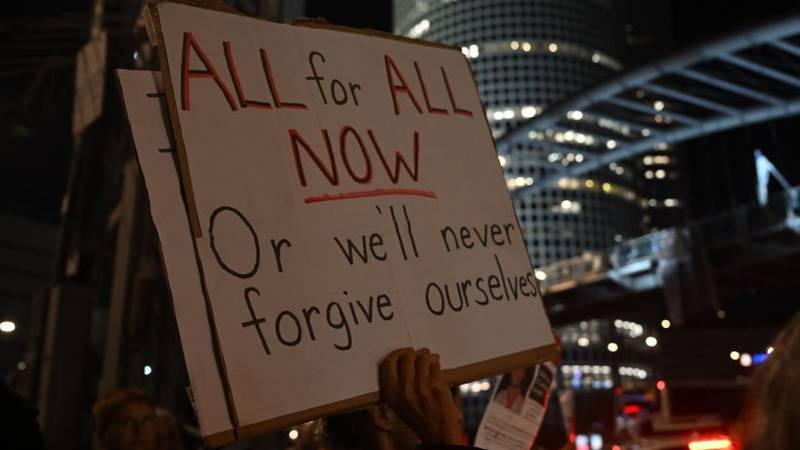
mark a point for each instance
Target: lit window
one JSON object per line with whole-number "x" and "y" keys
{"x": 419, "y": 29}
{"x": 575, "y": 115}
{"x": 528, "y": 111}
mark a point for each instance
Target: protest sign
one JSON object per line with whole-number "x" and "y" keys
{"x": 155, "y": 151}
{"x": 516, "y": 411}
{"x": 346, "y": 200}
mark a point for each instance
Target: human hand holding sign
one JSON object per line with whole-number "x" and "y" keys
{"x": 413, "y": 385}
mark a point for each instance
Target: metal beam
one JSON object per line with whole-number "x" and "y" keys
{"x": 787, "y": 47}
{"x": 761, "y": 69}
{"x": 678, "y": 63}
{"x": 690, "y": 99}
{"x": 624, "y": 103}
{"x": 729, "y": 86}
{"x": 753, "y": 115}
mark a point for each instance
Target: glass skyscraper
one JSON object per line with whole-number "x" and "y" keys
{"x": 528, "y": 55}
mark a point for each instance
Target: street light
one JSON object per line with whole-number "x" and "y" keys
{"x": 7, "y": 326}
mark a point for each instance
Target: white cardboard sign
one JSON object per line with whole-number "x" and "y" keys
{"x": 347, "y": 201}
{"x": 143, "y": 98}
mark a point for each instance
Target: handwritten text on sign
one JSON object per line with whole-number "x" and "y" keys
{"x": 351, "y": 204}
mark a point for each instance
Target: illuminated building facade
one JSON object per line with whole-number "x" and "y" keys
{"x": 527, "y": 56}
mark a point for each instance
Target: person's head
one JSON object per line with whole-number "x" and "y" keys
{"x": 375, "y": 427}
{"x": 771, "y": 419}
{"x": 168, "y": 434}
{"x": 516, "y": 377}
{"x": 125, "y": 420}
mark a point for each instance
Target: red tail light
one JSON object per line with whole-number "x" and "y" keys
{"x": 721, "y": 443}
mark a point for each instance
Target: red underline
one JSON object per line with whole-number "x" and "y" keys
{"x": 374, "y": 193}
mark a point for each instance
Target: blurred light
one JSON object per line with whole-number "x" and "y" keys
{"x": 661, "y": 385}
{"x": 616, "y": 447}
{"x": 746, "y": 360}
{"x": 639, "y": 93}
{"x": 419, "y": 29}
{"x": 661, "y": 174}
{"x": 553, "y": 47}
{"x": 589, "y": 183}
{"x": 610, "y": 144}
{"x": 645, "y": 132}
{"x": 473, "y": 51}
{"x": 583, "y": 342}
{"x": 607, "y": 187}
{"x": 21, "y": 366}
{"x": 7, "y": 326}
{"x": 575, "y": 115}
{"x": 651, "y": 341}
{"x": 581, "y": 442}
{"x": 502, "y": 160}
{"x": 147, "y": 370}
{"x": 526, "y": 47}
{"x": 648, "y": 174}
{"x": 759, "y": 358}
{"x": 658, "y": 105}
{"x": 540, "y": 275}
{"x": 631, "y": 409}
{"x": 595, "y": 57}
{"x": 711, "y": 444}
{"x": 528, "y": 111}
{"x": 734, "y": 355}
{"x": 294, "y": 434}
{"x": 514, "y": 45}
{"x": 722, "y": 314}
{"x": 612, "y": 347}
{"x": 666, "y": 324}
{"x": 136, "y": 55}
{"x": 596, "y": 441}
{"x": 566, "y": 204}
{"x": 770, "y": 349}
